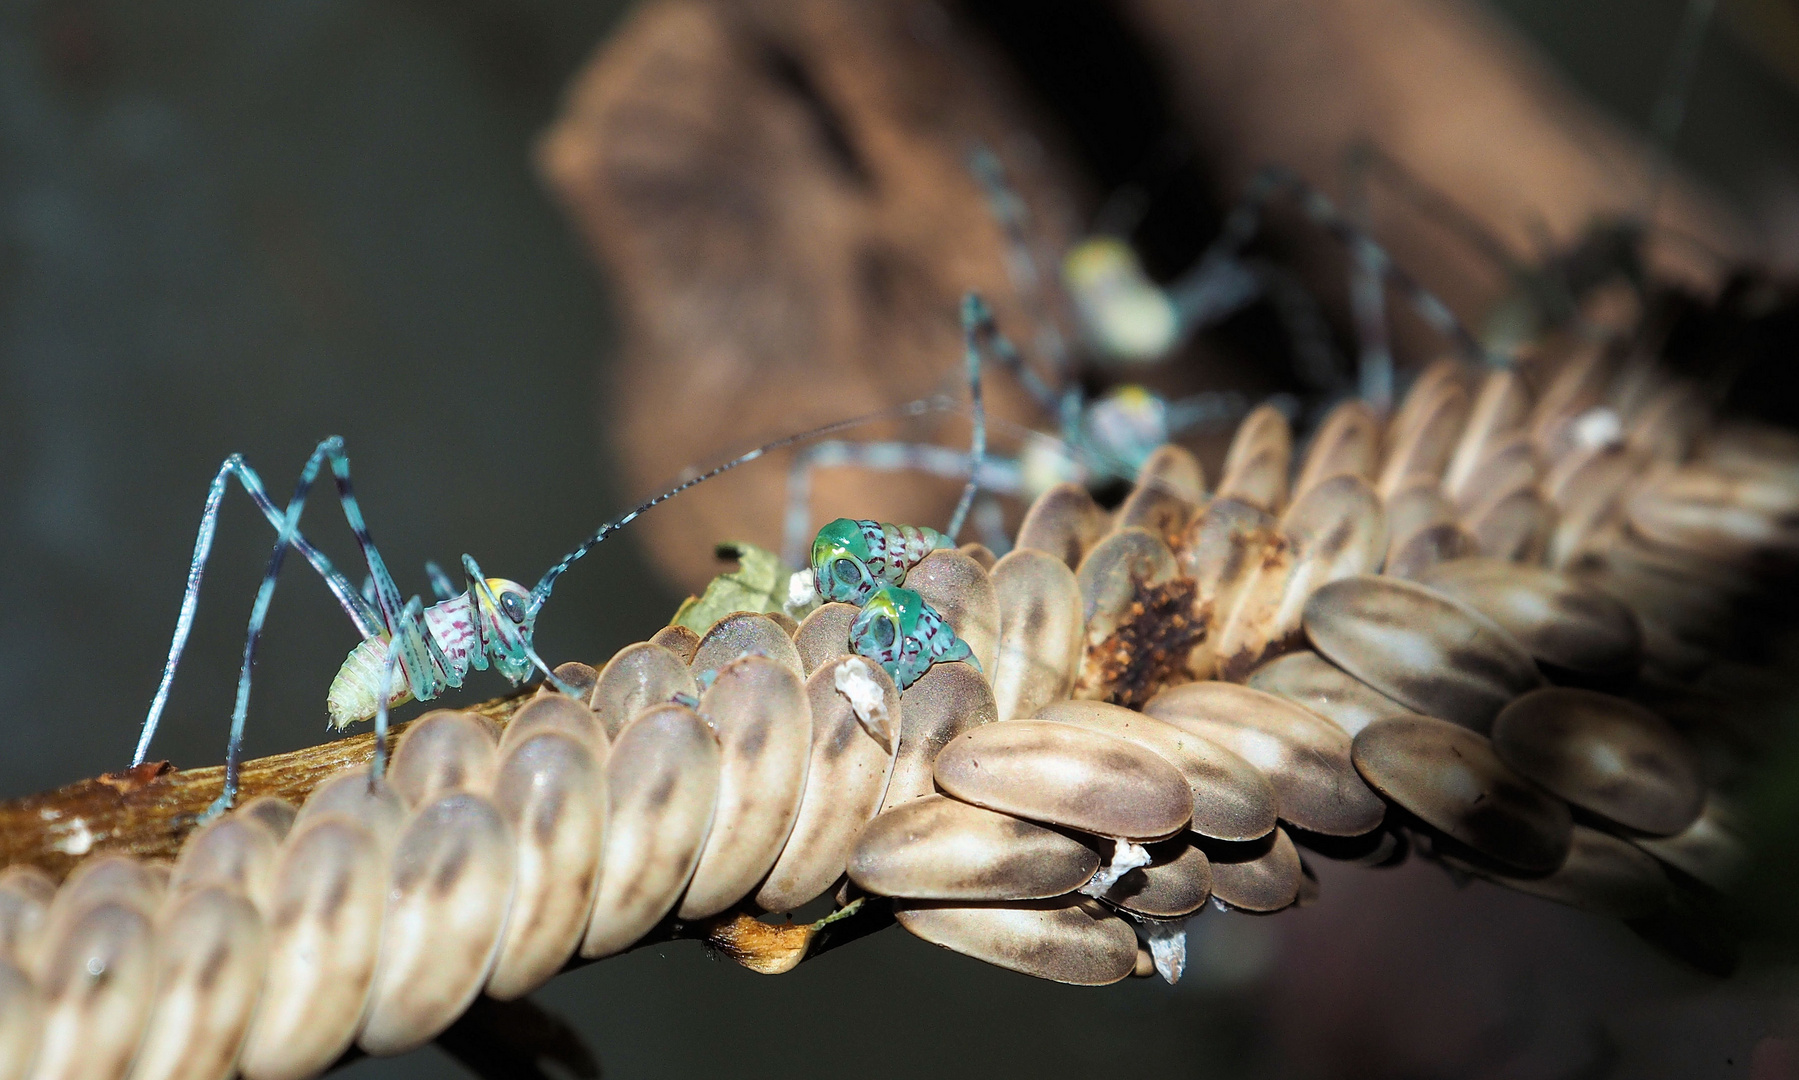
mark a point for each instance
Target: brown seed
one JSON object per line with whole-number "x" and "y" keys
{"x": 1065, "y": 775}
{"x": 1577, "y": 386}
{"x": 662, "y": 783}
{"x": 638, "y": 677}
{"x": 1602, "y": 874}
{"x": 1509, "y": 467}
{"x": 1040, "y": 632}
{"x": 1305, "y": 756}
{"x": 577, "y": 675}
{"x": 1347, "y": 444}
{"x": 1222, "y": 552}
{"x": 97, "y": 977}
{"x": 1168, "y": 490}
{"x": 21, "y": 1021}
{"x": 1585, "y": 488}
{"x": 759, "y": 709}
{"x": 1515, "y": 528}
{"x": 1310, "y": 680}
{"x": 551, "y": 791}
{"x": 680, "y": 640}
{"x": 1064, "y": 522}
{"x": 271, "y": 812}
{"x": 980, "y": 553}
{"x": 1141, "y": 621}
{"x": 1421, "y": 448}
{"x": 844, "y": 783}
{"x": 962, "y": 593}
{"x": 1419, "y": 647}
{"x": 948, "y": 700}
{"x": 934, "y": 848}
{"x": 26, "y": 894}
{"x": 211, "y": 952}
{"x": 1232, "y": 799}
{"x": 1566, "y": 624}
{"x": 556, "y": 712}
{"x": 1726, "y": 515}
{"x": 746, "y": 634}
{"x": 1604, "y": 754}
{"x": 1452, "y": 780}
{"x": 825, "y": 635}
{"x": 1497, "y": 418}
{"x": 1709, "y": 849}
{"x": 1260, "y": 875}
{"x": 377, "y": 807}
{"x": 116, "y": 879}
{"x": 1668, "y": 424}
{"x": 444, "y": 751}
{"x": 1177, "y": 881}
{"x": 233, "y": 853}
{"x": 1439, "y": 377}
{"x": 451, "y": 885}
{"x": 1062, "y": 940}
{"x": 1261, "y": 453}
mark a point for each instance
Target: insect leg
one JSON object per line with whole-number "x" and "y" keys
{"x": 1008, "y": 208}
{"x": 441, "y": 585}
{"x": 378, "y": 767}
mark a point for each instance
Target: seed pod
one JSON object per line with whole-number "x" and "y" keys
{"x": 764, "y": 723}
{"x": 825, "y": 635}
{"x": 272, "y": 812}
{"x": 324, "y": 926}
{"x": 108, "y": 879}
{"x": 21, "y": 1021}
{"x": 1419, "y": 647}
{"x": 1347, "y": 443}
{"x": 1168, "y": 490}
{"x": 1585, "y": 488}
{"x": 442, "y": 752}
{"x": 1177, "y": 881}
{"x": 1256, "y": 466}
{"x": 1509, "y": 467}
{"x": 1420, "y": 449}
{"x": 97, "y": 977}
{"x": 1041, "y": 632}
{"x": 1602, "y": 874}
{"x": 1066, "y": 941}
{"x": 1304, "y": 756}
{"x": 580, "y": 678}
{"x": 1603, "y": 754}
{"x": 1068, "y": 776}
{"x": 639, "y": 677}
{"x": 680, "y": 640}
{"x": 1064, "y": 522}
{"x": 1495, "y": 421}
{"x": 1222, "y": 552}
{"x": 1516, "y": 528}
{"x": 1709, "y": 849}
{"x": 746, "y": 634}
{"x": 452, "y": 881}
{"x": 1725, "y": 515}
{"x": 1309, "y": 680}
{"x": 949, "y": 700}
{"x": 26, "y": 894}
{"x": 551, "y": 791}
{"x": 662, "y": 782}
{"x": 234, "y": 853}
{"x": 1567, "y": 625}
{"x": 1259, "y": 875}
{"x": 1452, "y": 780}
{"x": 1141, "y": 620}
{"x": 1439, "y": 377}
{"x": 934, "y": 848}
{"x": 962, "y": 593}
{"x": 211, "y": 952}
{"x": 1232, "y": 799}
{"x": 844, "y": 783}
{"x": 377, "y": 807}
{"x": 556, "y": 712}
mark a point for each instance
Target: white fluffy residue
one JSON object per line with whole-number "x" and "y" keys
{"x": 1597, "y": 427}
{"x": 1126, "y": 857}
{"x": 856, "y": 682}
{"x": 76, "y": 838}
{"x": 1167, "y": 943}
{"x": 802, "y": 591}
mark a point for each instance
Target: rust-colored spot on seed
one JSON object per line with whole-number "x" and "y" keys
{"x": 1149, "y": 649}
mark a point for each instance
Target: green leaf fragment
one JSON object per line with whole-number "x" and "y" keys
{"x": 760, "y": 584}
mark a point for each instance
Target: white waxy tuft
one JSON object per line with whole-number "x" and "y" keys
{"x": 868, "y": 699}
{"x": 1126, "y": 857}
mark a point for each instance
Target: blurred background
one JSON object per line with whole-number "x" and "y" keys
{"x": 244, "y": 226}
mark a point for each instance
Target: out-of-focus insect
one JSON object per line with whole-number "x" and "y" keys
{"x": 431, "y": 649}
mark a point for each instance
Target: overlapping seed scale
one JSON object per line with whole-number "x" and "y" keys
{"x": 947, "y": 701}
{"x": 936, "y": 848}
{"x": 1169, "y": 489}
{"x": 1257, "y": 465}
{"x": 1176, "y": 882}
{"x": 1710, "y": 850}
{"x": 1423, "y": 529}
{"x": 746, "y": 633}
{"x": 1142, "y": 622}
{"x": 1308, "y": 679}
{"x": 1347, "y": 443}
{"x": 1570, "y": 627}
{"x": 824, "y": 635}
{"x": 1063, "y": 522}
{"x": 1223, "y": 551}
{"x": 1041, "y": 632}
{"x": 960, "y": 590}
{"x": 1258, "y": 875}
{"x": 1064, "y": 940}
{"x": 1602, "y": 874}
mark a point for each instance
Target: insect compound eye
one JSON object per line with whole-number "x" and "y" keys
{"x": 884, "y": 631}
{"x": 845, "y": 571}
{"x": 514, "y": 607}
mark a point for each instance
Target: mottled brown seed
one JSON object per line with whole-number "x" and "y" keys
{"x": 26, "y": 894}
{"x": 962, "y": 593}
{"x": 1064, "y": 522}
{"x": 1509, "y": 467}
{"x": 444, "y": 751}
{"x": 1516, "y": 527}
{"x": 680, "y": 640}
{"x": 1421, "y": 448}
{"x": 980, "y": 553}
{"x": 271, "y": 812}
{"x": 764, "y": 723}
{"x": 1177, "y": 881}
{"x": 1062, "y": 940}
{"x": 1041, "y": 632}
{"x": 935, "y": 848}
{"x": 1729, "y": 515}
{"x": 560, "y": 713}
{"x": 1260, "y": 875}
{"x": 580, "y": 677}
{"x": 1419, "y": 647}
{"x": 117, "y": 879}
{"x": 746, "y": 634}
{"x": 1222, "y": 552}
{"x": 844, "y": 785}
{"x": 1452, "y": 780}
{"x": 638, "y": 677}
{"x": 1169, "y": 488}
{"x": 1709, "y": 849}
{"x": 1304, "y": 756}
{"x": 451, "y": 885}
{"x": 1142, "y": 624}
{"x": 1310, "y": 680}
{"x": 947, "y": 701}
{"x": 551, "y": 791}
{"x": 1602, "y": 874}
{"x": 1439, "y": 377}
{"x": 378, "y": 807}
{"x": 1604, "y": 754}
{"x": 97, "y": 977}
{"x": 1566, "y": 624}
{"x": 825, "y": 635}
{"x": 1577, "y": 386}
{"x": 1500, "y": 410}
{"x": 234, "y": 853}
{"x": 1232, "y": 799}
{"x": 1066, "y": 775}
{"x": 1347, "y": 444}
{"x": 21, "y": 1021}
{"x": 1585, "y": 488}
{"x": 211, "y": 952}
{"x": 324, "y": 925}
{"x": 1256, "y": 466}
{"x": 662, "y": 783}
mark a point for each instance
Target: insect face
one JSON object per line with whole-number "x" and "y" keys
{"x": 506, "y": 625}
{"x": 840, "y": 562}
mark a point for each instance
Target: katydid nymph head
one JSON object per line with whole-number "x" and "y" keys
{"x": 900, "y": 631}
{"x": 506, "y": 618}
{"x": 851, "y": 559}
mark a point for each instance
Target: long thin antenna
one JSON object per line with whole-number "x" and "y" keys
{"x": 911, "y": 408}
{"x": 1671, "y": 104}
